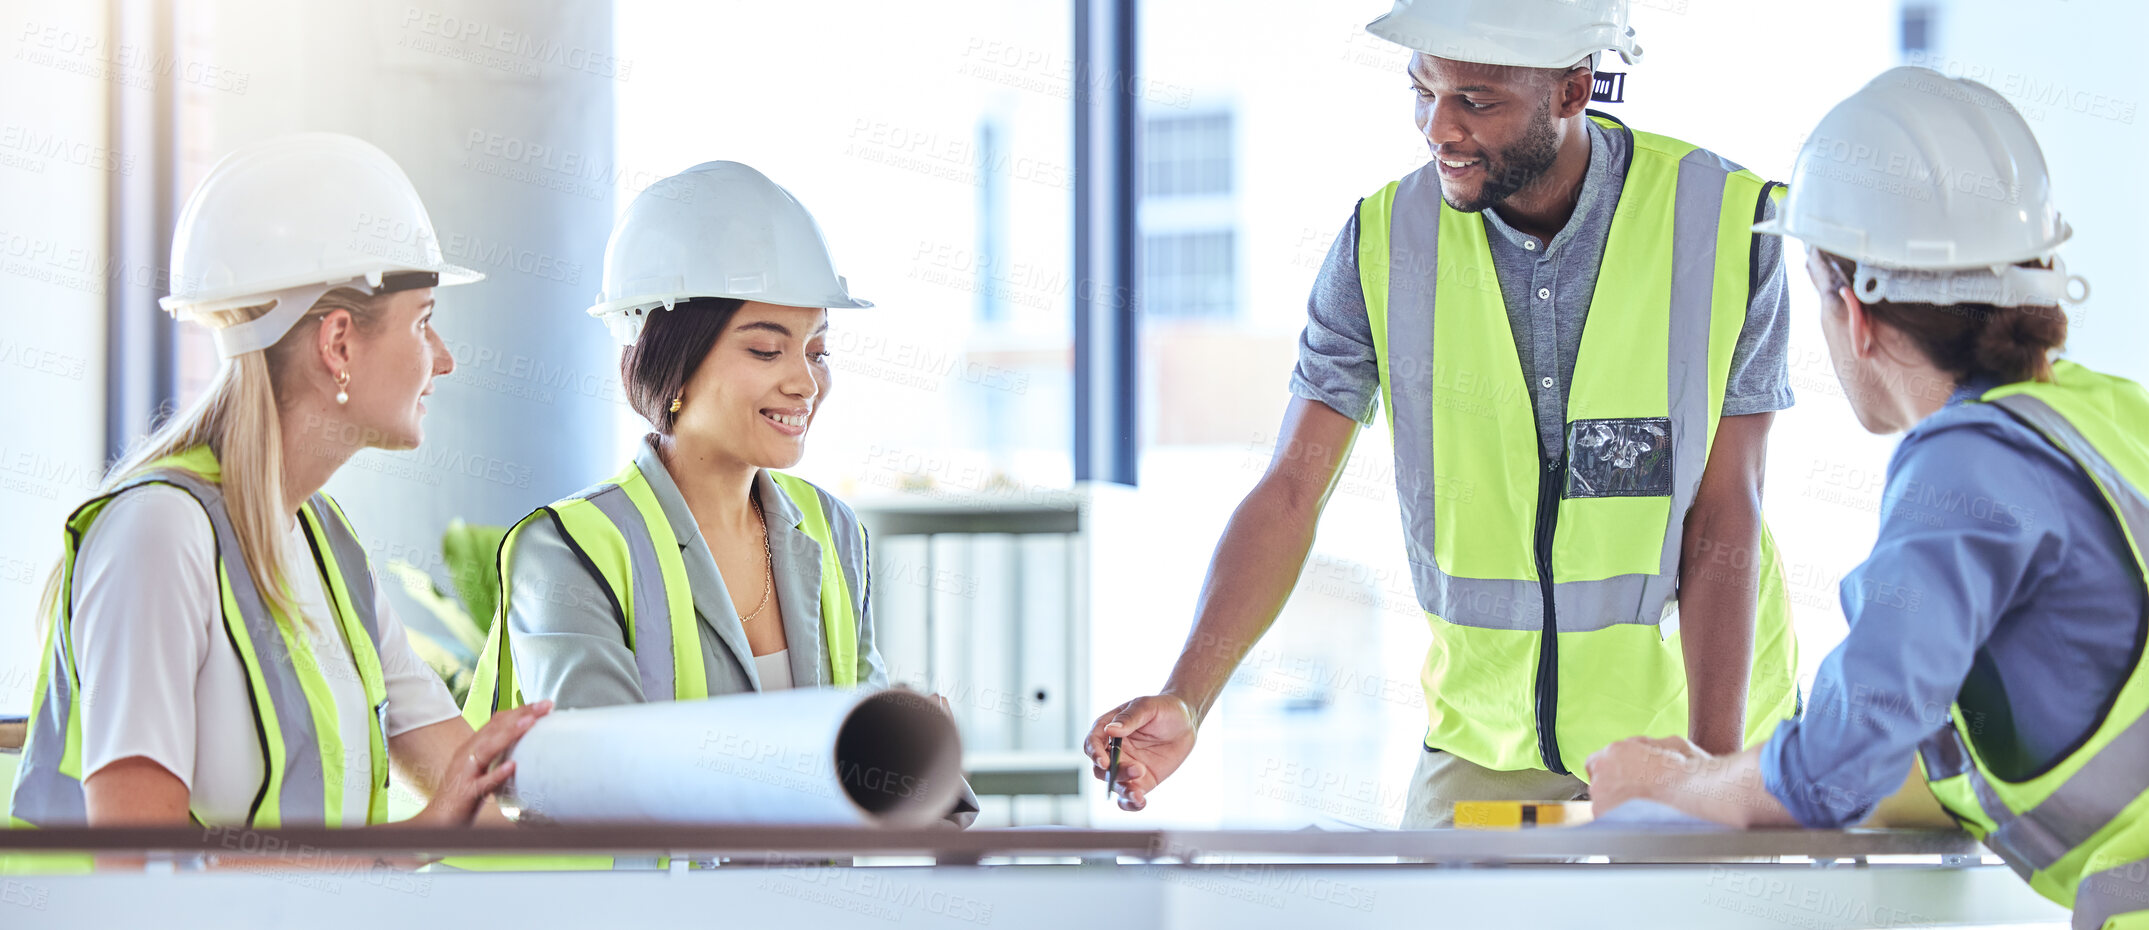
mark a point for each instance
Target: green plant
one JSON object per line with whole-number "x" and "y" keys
{"x": 471, "y": 553}
{"x": 473, "y": 557}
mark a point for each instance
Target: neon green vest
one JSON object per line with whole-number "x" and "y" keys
{"x": 622, "y": 529}
{"x": 1546, "y": 582}
{"x": 294, "y": 711}
{"x": 2078, "y": 831}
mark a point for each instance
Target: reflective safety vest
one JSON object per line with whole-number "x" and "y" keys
{"x": 624, "y": 538}
{"x": 1547, "y": 580}
{"x": 2077, "y": 831}
{"x": 294, "y": 711}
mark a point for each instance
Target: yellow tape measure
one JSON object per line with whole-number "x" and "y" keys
{"x": 1518, "y": 815}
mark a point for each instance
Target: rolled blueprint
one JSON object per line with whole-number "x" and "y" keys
{"x": 809, "y": 756}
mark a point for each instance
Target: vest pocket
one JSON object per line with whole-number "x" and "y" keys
{"x": 1626, "y": 457}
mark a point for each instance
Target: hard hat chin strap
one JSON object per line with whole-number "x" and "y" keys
{"x": 269, "y": 328}
{"x": 1999, "y": 285}
{"x": 292, "y": 303}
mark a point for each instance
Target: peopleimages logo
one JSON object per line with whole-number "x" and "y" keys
{"x": 517, "y": 44}
{"x": 476, "y": 250}
{"x": 564, "y": 170}
{"x": 89, "y": 55}
{"x": 45, "y": 145}
{"x": 1904, "y": 173}
{"x": 2033, "y": 95}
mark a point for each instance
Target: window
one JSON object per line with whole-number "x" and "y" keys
{"x": 1189, "y": 274}
{"x": 1186, "y": 156}
{"x": 1918, "y": 24}
{"x": 1189, "y": 266}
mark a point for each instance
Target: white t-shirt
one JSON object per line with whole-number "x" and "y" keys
{"x": 775, "y": 670}
{"x": 161, "y": 680}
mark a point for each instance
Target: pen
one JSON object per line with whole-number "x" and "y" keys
{"x": 1111, "y": 770}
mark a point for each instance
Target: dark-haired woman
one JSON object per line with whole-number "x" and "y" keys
{"x": 1997, "y": 629}
{"x": 698, "y": 570}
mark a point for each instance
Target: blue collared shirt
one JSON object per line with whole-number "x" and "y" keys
{"x": 2000, "y": 576}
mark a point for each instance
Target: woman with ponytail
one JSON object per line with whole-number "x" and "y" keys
{"x": 217, "y": 649}
{"x": 1997, "y": 629}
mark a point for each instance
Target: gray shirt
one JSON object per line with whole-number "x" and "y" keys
{"x": 1336, "y": 365}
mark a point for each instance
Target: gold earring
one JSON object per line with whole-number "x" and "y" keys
{"x": 343, "y": 383}
{"x": 675, "y": 405}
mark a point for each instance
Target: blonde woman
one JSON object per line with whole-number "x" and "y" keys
{"x": 217, "y": 648}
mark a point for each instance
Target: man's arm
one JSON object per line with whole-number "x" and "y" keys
{"x": 1256, "y": 565}
{"x": 1719, "y": 583}
{"x": 1263, "y": 549}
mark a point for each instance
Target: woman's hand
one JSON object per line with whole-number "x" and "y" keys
{"x": 468, "y": 776}
{"x": 1671, "y": 770}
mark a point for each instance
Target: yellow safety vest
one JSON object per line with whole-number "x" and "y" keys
{"x": 624, "y": 538}
{"x": 621, "y": 531}
{"x": 1546, "y": 581}
{"x": 2078, "y": 831}
{"x": 294, "y": 711}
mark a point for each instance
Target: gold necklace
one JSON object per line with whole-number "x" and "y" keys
{"x": 768, "y": 565}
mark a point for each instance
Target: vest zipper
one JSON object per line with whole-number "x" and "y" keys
{"x": 1548, "y": 643}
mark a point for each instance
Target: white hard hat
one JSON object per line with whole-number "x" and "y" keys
{"x": 718, "y": 229}
{"x": 1936, "y": 188}
{"x": 290, "y": 219}
{"x": 1519, "y": 33}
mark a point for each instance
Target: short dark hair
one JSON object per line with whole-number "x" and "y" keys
{"x": 657, "y": 367}
{"x": 1970, "y": 339}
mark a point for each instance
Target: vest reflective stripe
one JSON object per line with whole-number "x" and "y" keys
{"x": 1943, "y": 758}
{"x": 2086, "y": 803}
{"x": 622, "y": 530}
{"x": 690, "y": 679}
{"x": 2123, "y": 496}
{"x": 2091, "y": 805}
{"x": 294, "y": 714}
{"x": 1496, "y": 532}
{"x": 654, "y": 626}
{"x": 352, "y": 607}
{"x": 839, "y": 627}
{"x": 2122, "y": 889}
{"x": 47, "y": 787}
